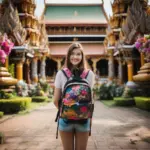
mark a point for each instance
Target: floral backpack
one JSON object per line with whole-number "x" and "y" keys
{"x": 76, "y": 103}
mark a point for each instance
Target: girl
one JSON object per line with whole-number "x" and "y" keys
{"x": 74, "y": 135}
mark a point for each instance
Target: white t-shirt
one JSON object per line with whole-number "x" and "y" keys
{"x": 61, "y": 79}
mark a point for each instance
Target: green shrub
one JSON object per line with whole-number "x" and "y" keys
{"x": 14, "y": 105}
{"x": 109, "y": 90}
{"x": 11, "y": 69}
{"x": 132, "y": 92}
{"x": 142, "y": 102}
{"x": 105, "y": 92}
{"x": 122, "y": 101}
{"x": 1, "y": 114}
{"x": 39, "y": 99}
{"x": 119, "y": 90}
{"x": 5, "y": 95}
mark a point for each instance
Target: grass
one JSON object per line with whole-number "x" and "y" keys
{"x": 33, "y": 106}
{"x": 108, "y": 103}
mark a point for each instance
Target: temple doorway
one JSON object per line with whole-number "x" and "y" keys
{"x": 125, "y": 73}
{"x": 136, "y": 66}
{"x": 90, "y": 64}
{"x": 63, "y": 61}
{"x": 116, "y": 65}
{"x": 102, "y": 67}
{"x": 51, "y": 67}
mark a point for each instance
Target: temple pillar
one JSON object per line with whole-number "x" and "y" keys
{"x": 59, "y": 64}
{"x": 34, "y": 70}
{"x": 130, "y": 83}
{"x": 7, "y": 62}
{"x": 27, "y": 71}
{"x": 130, "y": 70}
{"x": 142, "y": 58}
{"x": 111, "y": 70}
{"x": 19, "y": 70}
{"x": 120, "y": 72}
{"x": 58, "y": 60}
{"x": 127, "y": 54}
{"x": 42, "y": 68}
{"x": 94, "y": 60}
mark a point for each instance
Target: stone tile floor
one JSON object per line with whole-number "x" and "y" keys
{"x": 114, "y": 128}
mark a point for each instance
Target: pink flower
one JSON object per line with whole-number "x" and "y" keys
{"x": 138, "y": 45}
{"x": 7, "y": 46}
{"x": 2, "y": 56}
{"x": 83, "y": 109}
{"x": 2, "y": 60}
{"x": 145, "y": 49}
{"x": 148, "y": 50}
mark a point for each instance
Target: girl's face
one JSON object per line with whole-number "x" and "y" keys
{"x": 76, "y": 57}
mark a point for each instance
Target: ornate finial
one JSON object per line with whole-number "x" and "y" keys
{"x": 75, "y": 39}
{"x": 75, "y": 13}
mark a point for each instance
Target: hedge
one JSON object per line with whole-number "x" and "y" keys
{"x": 122, "y": 101}
{"x": 39, "y": 99}
{"x": 142, "y": 102}
{"x": 14, "y": 105}
{"x": 1, "y": 114}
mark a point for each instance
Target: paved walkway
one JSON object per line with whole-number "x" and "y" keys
{"x": 114, "y": 128}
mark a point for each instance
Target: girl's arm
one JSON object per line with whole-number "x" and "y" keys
{"x": 57, "y": 90}
{"x": 57, "y": 96}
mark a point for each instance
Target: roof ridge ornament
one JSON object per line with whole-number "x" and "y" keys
{"x": 75, "y": 13}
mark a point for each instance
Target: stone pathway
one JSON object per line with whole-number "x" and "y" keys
{"x": 113, "y": 128}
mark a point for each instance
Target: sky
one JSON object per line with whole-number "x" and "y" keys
{"x": 107, "y": 4}
{"x": 40, "y": 4}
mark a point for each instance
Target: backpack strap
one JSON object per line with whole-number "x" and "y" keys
{"x": 67, "y": 72}
{"x": 84, "y": 74}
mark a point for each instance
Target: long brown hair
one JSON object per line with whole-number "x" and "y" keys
{"x": 82, "y": 64}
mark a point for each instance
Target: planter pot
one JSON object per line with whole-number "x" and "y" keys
{"x": 143, "y": 74}
{"x": 5, "y": 78}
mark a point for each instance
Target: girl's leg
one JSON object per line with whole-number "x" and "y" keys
{"x": 81, "y": 139}
{"x": 67, "y": 139}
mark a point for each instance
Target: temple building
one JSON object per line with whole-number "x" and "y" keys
{"x": 130, "y": 19}
{"x": 85, "y": 23}
{"x": 28, "y": 33}
{"x": 41, "y": 44}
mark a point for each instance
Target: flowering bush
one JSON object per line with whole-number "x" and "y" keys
{"x": 5, "y": 47}
{"x": 143, "y": 45}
